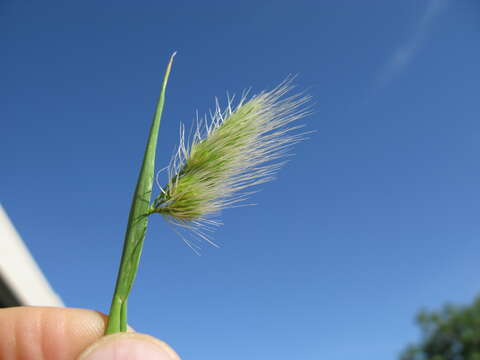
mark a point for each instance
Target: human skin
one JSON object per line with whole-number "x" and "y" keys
{"x": 41, "y": 333}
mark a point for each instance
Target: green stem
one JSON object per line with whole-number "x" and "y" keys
{"x": 123, "y": 317}
{"x": 114, "y": 319}
{"x": 137, "y": 222}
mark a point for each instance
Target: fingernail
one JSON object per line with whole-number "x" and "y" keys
{"x": 129, "y": 346}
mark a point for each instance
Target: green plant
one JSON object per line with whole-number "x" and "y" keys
{"x": 239, "y": 148}
{"x": 452, "y": 333}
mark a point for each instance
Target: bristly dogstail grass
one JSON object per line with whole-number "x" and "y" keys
{"x": 240, "y": 147}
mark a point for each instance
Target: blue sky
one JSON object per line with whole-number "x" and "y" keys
{"x": 375, "y": 217}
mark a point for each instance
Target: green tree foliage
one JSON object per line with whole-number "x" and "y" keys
{"x": 452, "y": 333}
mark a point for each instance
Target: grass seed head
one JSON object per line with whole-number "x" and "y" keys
{"x": 240, "y": 147}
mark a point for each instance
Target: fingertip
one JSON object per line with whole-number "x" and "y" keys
{"x": 131, "y": 346}
{"x": 48, "y": 332}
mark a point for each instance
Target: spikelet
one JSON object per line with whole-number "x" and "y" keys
{"x": 242, "y": 146}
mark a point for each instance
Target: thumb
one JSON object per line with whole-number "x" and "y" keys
{"x": 129, "y": 346}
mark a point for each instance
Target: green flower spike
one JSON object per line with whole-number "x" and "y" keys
{"x": 238, "y": 149}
